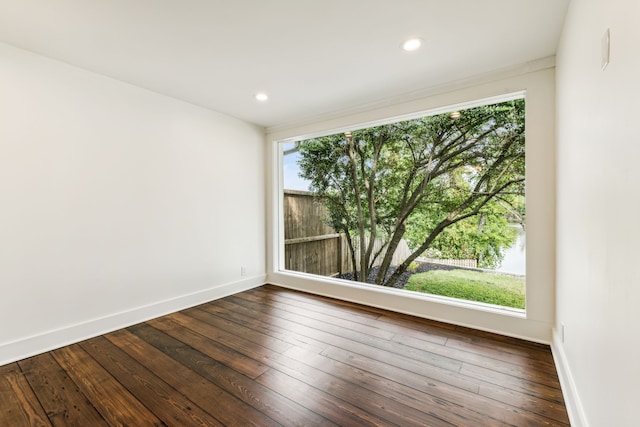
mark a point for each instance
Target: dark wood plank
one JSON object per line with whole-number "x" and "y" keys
{"x": 225, "y": 407}
{"x": 336, "y": 410}
{"x": 18, "y": 404}
{"x": 309, "y": 337}
{"x": 59, "y": 395}
{"x": 418, "y": 399}
{"x": 419, "y": 381}
{"x": 489, "y": 337}
{"x": 321, "y": 340}
{"x": 524, "y": 385}
{"x": 253, "y": 320}
{"x": 434, "y": 335}
{"x": 354, "y": 341}
{"x": 227, "y": 329}
{"x": 190, "y": 330}
{"x": 343, "y": 310}
{"x": 532, "y": 403}
{"x": 472, "y": 401}
{"x": 278, "y": 357}
{"x": 364, "y": 379}
{"x": 324, "y": 302}
{"x": 295, "y": 326}
{"x": 273, "y": 405}
{"x": 506, "y": 357}
{"x": 171, "y": 406}
{"x": 381, "y": 402}
{"x": 505, "y": 352}
{"x": 112, "y": 400}
{"x": 292, "y": 370}
{"x": 382, "y": 407}
{"x": 522, "y": 369}
{"x": 366, "y": 327}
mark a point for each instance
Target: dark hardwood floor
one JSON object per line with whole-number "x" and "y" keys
{"x": 275, "y": 357}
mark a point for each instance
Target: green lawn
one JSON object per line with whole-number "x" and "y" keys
{"x": 507, "y": 291}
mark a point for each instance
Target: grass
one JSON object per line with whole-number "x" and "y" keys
{"x": 499, "y": 289}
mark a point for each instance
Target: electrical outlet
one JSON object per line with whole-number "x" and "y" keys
{"x": 243, "y": 271}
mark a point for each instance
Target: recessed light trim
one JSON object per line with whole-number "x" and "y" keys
{"x": 262, "y": 97}
{"x": 412, "y": 44}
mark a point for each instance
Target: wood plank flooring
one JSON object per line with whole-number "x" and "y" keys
{"x": 275, "y": 357}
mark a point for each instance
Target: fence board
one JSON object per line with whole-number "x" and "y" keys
{"x": 304, "y": 216}
{"x": 402, "y": 252}
{"x": 468, "y": 263}
{"x": 311, "y": 246}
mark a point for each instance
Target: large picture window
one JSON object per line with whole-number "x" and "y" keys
{"x": 432, "y": 204}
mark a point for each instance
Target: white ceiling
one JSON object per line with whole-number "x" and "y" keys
{"x": 313, "y": 57}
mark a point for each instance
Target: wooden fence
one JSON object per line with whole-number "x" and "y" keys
{"x": 466, "y": 263}
{"x": 311, "y": 246}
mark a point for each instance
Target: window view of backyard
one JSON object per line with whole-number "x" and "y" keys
{"x": 433, "y": 205}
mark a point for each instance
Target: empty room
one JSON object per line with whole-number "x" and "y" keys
{"x": 340, "y": 213}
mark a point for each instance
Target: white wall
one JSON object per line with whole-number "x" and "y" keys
{"x": 598, "y": 277}
{"x": 116, "y": 204}
{"x": 540, "y": 176}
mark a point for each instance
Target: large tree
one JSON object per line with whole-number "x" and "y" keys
{"x": 433, "y": 172}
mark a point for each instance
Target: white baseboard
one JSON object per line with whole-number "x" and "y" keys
{"x": 572, "y": 401}
{"x": 50, "y": 340}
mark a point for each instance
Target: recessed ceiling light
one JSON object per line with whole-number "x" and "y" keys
{"x": 411, "y": 45}
{"x": 261, "y": 96}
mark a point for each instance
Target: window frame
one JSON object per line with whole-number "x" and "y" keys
{"x": 277, "y": 149}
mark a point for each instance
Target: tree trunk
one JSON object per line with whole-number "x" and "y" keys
{"x": 425, "y": 245}
{"x": 356, "y": 192}
{"x": 352, "y": 254}
{"x": 391, "y": 249}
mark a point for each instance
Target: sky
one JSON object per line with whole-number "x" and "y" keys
{"x": 290, "y": 171}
